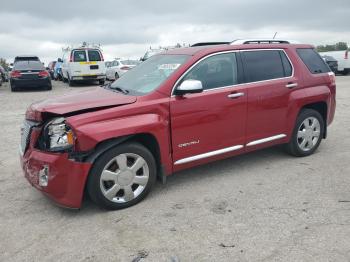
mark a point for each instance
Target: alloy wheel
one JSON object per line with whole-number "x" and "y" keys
{"x": 124, "y": 178}
{"x": 309, "y": 133}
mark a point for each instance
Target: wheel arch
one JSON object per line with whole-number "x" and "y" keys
{"x": 322, "y": 108}
{"x": 148, "y": 140}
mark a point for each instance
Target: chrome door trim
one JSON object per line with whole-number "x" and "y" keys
{"x": 208, "y": 154}
{"x": 267, "y": 139}
{"x": 235, "y": 51}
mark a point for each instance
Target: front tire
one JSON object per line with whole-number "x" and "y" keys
{"x": 307, "y": 134}
{"x": 122, "y": 176}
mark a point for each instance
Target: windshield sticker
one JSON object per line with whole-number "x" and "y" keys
{"x": 168, "y": 66}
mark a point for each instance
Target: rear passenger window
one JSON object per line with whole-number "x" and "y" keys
{"x": 80, "y": 56}
{"x": 215, "y": 71}
{"x": 94, "y": 55}
{"x": 265, "y": 65}
{"x": 313, "y": 60}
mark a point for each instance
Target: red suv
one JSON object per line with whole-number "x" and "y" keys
{"x": 178, "y": 109}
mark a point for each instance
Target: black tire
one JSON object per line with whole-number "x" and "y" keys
{"x": 49, "y": 87}
{"x": 93, "y": 183}
{"x": 101, "y": 82}
{"x": 345, "y": 72}
{"x": 13, "y": 89}
{"x": 70, "y": 82}
{"x": 293, "y": 146}
{"x": 116, "y": 76}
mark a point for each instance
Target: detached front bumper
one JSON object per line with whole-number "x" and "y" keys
{"x": 65, "y": 178}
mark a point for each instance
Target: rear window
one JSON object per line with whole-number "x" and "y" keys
{"x": 79, "y": 56}
{"x": 28, "y": 65}
{"x": 26, "y": 58}
{"x": 94, "y": 55}
{"x": 265, "y": 65}
{"x": 313, "y": 61}
{"x": 129, "y": 62}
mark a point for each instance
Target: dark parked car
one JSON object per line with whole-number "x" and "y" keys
{"x": 331, "y": 62}
{"x": 4, "y": 74}
{"x": 29, "y": 74}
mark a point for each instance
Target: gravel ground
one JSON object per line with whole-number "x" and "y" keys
{"x": 263, "y": 206}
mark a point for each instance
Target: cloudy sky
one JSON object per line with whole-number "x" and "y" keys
{"x": 129, "y": 28}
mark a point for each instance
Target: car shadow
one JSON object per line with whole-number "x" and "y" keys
{"x": 228, "y": 167}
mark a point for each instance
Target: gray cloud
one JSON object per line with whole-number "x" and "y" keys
{"x": 127, "y": 28}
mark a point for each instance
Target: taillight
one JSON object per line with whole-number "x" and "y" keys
{"x": 15, "y": 74}
{"x": 346, "y": 54}
{"x": 71, "y": 57}
{"x": 43, "y": 74}
{"x": 125, "y": 68}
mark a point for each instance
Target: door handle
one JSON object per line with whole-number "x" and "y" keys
{"x": 291, "y": 85}
{"x": 235, "y": 95}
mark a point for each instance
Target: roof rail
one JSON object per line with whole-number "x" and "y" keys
{"x": 261, "y": 41}
{"x": 210, "y": 43}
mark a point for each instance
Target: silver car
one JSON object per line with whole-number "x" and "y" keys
{"x": 118, "y": 67}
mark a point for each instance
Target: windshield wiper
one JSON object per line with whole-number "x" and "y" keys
{"x": 117, "y": 88}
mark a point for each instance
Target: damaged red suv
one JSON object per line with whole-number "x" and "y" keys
{"x": 178, "y": 109}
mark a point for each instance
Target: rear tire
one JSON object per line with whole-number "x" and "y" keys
{"x": 70, "y": 82}
{"x": 101, "y": 82}
{"x": 13, "y": 89}
{"x": 116, "y": 76}
{"x": 307, "y": 134}
{"x": 345, "y": 72}
{"x": 122, "y": 176}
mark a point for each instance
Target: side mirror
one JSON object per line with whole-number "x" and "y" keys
{"x": 189, "y": 87}
{"x": 11, "y": 64}
{"x": 59, "y": 60}
{"x": 47, "y": 68}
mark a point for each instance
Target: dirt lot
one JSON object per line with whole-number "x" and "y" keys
{"x": 264, "y": 206}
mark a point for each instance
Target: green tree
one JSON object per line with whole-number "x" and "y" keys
{"x": 4, "y": 64}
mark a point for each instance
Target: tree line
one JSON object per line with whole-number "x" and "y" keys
{"x": 340, "y": 46}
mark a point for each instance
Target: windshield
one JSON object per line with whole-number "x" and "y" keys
{"x": 150, "y": 74}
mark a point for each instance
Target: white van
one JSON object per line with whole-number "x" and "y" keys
{"x": 82, "y": 64}
{"x": 343, "y": 60}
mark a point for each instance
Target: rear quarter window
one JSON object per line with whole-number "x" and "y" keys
{"x": 265, "y": 65}
{"x": 94, "y": 55}
{"x": 313, "y": 61}
{"x": 79, "y": 56}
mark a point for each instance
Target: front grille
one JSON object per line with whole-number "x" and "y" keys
{"x": 26, "y": 130}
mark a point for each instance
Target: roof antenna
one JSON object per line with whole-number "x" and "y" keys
{"x": 274, "y": 35}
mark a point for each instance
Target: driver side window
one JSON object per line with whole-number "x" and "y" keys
{"x": 215, "y": 71}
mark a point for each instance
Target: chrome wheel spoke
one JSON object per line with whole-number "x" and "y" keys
{"x": 128, "y": 193}
{"x": 303, "y": 143}
{"x": 108, "y": 176}
{"x": 111, "y": 193}
{"x": 301, "y": 134}
{"x": 121, "y": 161}
{"x": 316, "y": 133}
{"x": 141, "y": 180}
{"x": 138, "y": 164}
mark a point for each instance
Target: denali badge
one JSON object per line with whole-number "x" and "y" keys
{"x": 188, "y": 143}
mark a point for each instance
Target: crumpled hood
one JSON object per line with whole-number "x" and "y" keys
{"x": 90, "y": 99}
